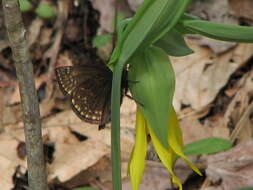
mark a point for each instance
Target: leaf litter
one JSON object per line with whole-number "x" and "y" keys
{"x": 213, "y": 99}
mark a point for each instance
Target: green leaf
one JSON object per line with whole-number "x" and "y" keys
{"x": 45, "y": 10}
{"x": 224, "y": 32}
{"x": 25, "y": 5}
{"x": 120, "y": 17}
{"x": 153, "y": 85}
{"x": 86, "y": 188}
{"x": 101, "y": 40}
{"x": 245, "y": 188}
{"x": 152, "y": 20}
{"x": 207, "y": 146}
{"x": 130, "y": 41}
{"x": 174, "y": 44}
{"x": 186, "y": 17}
{"x": 173, "y": 11}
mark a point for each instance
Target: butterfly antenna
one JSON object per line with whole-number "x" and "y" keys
{"x": 100, "y": 127}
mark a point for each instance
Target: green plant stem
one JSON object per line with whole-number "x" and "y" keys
{"x": 115, "y": 129}
{"x": 116, "y": 5}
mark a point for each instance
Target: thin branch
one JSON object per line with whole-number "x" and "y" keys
{"x": 29, "y": 101}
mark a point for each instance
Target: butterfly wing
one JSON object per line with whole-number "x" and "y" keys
{"x": 89, "y": 88}
{"x": 69, "y": 77}
{"x": 91, "y": 102}
{"x": 67, "y": 82}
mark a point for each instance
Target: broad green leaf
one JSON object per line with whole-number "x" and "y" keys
{"x": 186, "y": 17}
{"x": 25, "y": 5}
{"x": 224, "y": 32}
{"x": 101, "y": 40}
{"x": 207, "y": 146}
{"x": 86, "y": 188}
{"x": 173, "y": 44}
{"x": 245, "y": 188}
{"x": 151, "y": 21}
{"x": 173, "y": 11}
{"x": 152, "y": 84}
{"x": 45, "y": 10}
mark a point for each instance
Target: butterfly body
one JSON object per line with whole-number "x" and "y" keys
{"x": 89, "y": 88}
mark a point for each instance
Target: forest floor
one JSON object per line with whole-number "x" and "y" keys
{"x": 214, "y": 98}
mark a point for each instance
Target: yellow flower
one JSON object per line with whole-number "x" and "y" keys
{"x": 167, "y": 156}
{"x": 153, "y": 91}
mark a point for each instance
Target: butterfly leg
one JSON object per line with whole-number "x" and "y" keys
{"x": 100, "y": 127}
{"x": 130, "y": 97}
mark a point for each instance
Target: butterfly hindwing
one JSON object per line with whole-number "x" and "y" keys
{"x": 88, "y": 102}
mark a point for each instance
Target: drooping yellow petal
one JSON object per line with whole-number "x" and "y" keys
{"x": 176, "y": 140}
{"x": 167, "y": 156}
{"x": 137, "y": 161}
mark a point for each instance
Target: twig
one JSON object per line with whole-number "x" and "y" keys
{"x": 29, "y": 101}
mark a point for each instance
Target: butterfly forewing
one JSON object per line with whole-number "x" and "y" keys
{"x": 67, "y": 82}
{"x": 69, "y": 77}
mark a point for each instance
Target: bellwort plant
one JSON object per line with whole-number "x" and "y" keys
{"x": 144, "y": 43}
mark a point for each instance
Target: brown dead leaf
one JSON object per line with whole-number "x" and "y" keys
{"x": 217, "y": 11}
{"x": 72, "y": 158}
{"x": 15, "y": 97}
{"x": 71, "y": 155}
{"x": 200, "y": 76}
{"x": 101, "y": 170}
{"x": 4, "y": 44}
{"x": 107, "y": 11}
{"x": 244, "y": 128}
{"x": 242, "y": 8}
{"x": 193, "y": 130}
{"x": 34, "y": 31}
{"x": 212, "y": 188}
{"x": 237, "y": 116}
{"x": 8, "y": 159}
{"x": 10, "y": 113}
{"x": 128, "y": 109}
{"x": 233, "y": 168}
{"x": 134, "y": 4}
{"x": 68, "y": 119}
{"x": 155, "y": 177}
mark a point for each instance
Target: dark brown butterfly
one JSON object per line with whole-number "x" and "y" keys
{"x": 89, "y": 88}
